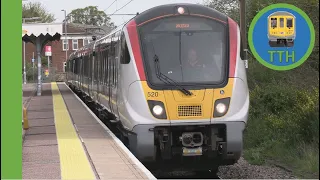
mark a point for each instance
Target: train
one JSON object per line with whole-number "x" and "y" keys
{"x": 281, "y": 29}
{"x": 172, "y": 83}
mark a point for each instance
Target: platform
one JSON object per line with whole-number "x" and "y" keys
{"x": 67, "y": 141}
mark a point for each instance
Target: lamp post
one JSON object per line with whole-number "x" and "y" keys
{"x": 65, "y": 34}
{"x": 243, "y": 31}
{"x": 24, "y": 51}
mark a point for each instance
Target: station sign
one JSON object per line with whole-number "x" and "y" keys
{"x": 48, "y": 51}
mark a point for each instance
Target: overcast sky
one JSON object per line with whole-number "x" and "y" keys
{"x": 55, "y": 6}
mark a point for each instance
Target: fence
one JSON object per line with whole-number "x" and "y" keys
{"x": 47, "y": 74}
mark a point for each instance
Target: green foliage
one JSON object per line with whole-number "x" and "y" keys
{"x": 31, "y": 73}
{"x": 283, "y": 126}
{"x": 285, "y": 111}
{"x": 35, "y": 9}
{"x": 91, "y": 16}
{"x": 228, "y": 7}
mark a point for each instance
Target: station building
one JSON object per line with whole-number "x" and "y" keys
{"x": 78, "y": 35}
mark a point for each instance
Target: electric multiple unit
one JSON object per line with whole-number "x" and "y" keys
{"x": 173, "y": 81}
{"x": 281, "y": 29}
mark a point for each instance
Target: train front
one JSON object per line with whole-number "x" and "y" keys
{"x": 194, "y": 87}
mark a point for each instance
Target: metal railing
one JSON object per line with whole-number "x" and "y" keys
{"x": 32, "y": 74}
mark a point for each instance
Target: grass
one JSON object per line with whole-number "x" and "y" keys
{"x": 283, "y": 125}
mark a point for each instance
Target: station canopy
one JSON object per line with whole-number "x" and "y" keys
{"x": 44, "y": 31}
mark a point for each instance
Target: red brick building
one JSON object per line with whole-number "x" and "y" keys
{"x": 78, "y": 35}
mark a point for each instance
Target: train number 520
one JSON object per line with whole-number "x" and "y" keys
{"x": 153, "y": 94}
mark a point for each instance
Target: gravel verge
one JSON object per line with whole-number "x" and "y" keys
{"x": 243, "y": 170}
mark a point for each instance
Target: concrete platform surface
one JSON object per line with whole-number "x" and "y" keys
{"x": 67, "y": 141}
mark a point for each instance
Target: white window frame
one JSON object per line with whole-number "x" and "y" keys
{"x": 75, "y": 42}
{"x": 85, "y": 40}
{"x": 63, "y": 43}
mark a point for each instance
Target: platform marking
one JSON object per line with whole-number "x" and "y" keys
{"x": 74, "y": 163}
{"x": 118, "y": 142}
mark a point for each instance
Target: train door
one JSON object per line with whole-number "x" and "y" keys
{"x": 73, "y": 71}
{"x": 282, "y": 27}
{"x": 95, "y": 76}
{"x": 115, "y": 75}
{"x": 90, "y": 83}
{"x": 81, "y": 71}
{"x": 86, "y": 70}
{"x": 77, "y": 71}
{"x": 124, "y": 60}
{"x": 103, "y": 59}
{"x": 106, "y": 89}
{"x": 99, "y": 60}
{"x": 110, "y": 73}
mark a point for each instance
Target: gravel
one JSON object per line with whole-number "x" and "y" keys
{"x": 244, "y": 170}
{"x": 240, "y": 170}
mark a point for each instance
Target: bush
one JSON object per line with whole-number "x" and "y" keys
{"x": 283, "y": 123}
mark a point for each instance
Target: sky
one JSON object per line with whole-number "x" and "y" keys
{"x": 55, "y": 6}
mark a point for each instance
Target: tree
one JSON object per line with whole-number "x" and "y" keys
{"x": 35, "y": 9}
{"x": 227, "y": 7}
{"x": 91, "y": 16}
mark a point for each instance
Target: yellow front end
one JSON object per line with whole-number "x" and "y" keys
{"x": 198, "y": 106}
{"x": 281, "y": 29}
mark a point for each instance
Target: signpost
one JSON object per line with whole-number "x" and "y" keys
{"x": 24, "y": 59}
{"x": 48, "y": 53}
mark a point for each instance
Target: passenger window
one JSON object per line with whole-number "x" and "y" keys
{"x": 106, "y": 67}
{"x": 273, "y": 22}
{"x": 289, "y": 23}
{"x": 281, "y": 22}
{"x": 125, "y": 57}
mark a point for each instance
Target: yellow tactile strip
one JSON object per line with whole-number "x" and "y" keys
{"x": 73, "y": 159}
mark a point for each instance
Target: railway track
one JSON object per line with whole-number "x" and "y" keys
{"x": 159, "y": 174}
{"x": 186, "y": 175}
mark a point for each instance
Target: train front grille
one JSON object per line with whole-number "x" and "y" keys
{"x": 189, "y": 111}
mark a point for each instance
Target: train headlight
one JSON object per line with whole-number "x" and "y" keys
{"x": 181, "y": 10}
{"x": 221, "y": 107}
{"x": 158, "y": 110}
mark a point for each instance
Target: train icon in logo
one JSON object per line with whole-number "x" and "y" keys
{"x": 281, "y": 29}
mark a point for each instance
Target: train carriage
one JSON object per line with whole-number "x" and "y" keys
{"x": 169, "y": 111}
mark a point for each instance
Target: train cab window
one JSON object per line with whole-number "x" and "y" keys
{"x": 289, "y": 22}
{"x": 281, "y": 22}
{"x": 273, "y": 22}
{"x": 190, "y": 50}
{"x": 125, "y": 57}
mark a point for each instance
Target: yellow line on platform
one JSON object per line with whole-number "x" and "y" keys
{"x": 74, "y": 163}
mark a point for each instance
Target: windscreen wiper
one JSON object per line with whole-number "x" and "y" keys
{"x": 168, "y": 80}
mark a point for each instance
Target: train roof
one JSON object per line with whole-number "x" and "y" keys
{"x": 157, "y": 11}
{"x": 281, "y": 13}
{"x": 171, "y": 9}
